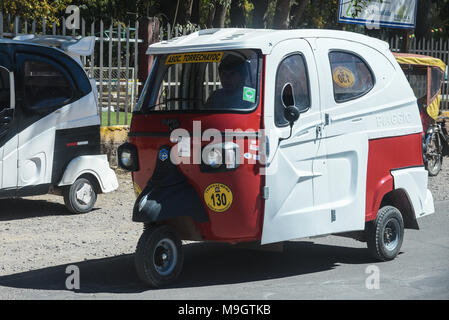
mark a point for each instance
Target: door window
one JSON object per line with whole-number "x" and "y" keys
{"x": 291, "y": 70}
{"x": 46, "y": 85}
{"x": 352, "y": 77}
{"x": 5, "y": 89}
{"x": 6, "y": 113}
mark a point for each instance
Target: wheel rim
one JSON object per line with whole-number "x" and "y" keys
{"x": 165, "y": 256}
{"x": 434, "y": 163}
{"x": 434, "y": 155}
{"x": 391, "y": 235}
{"x": 84, "y": 194}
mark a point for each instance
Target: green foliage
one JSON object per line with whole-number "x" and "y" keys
{"x": 432, "y": 19}
{"x": 51, "y": 10}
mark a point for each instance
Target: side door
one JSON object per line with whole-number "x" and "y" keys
{"x": 290, "y": 210}
{"x": 45, "y": 93}
{"x": 8, "y": 128}
{"x": 350, "y": 106}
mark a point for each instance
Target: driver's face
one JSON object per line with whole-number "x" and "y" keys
{"x": 231, "y": 80}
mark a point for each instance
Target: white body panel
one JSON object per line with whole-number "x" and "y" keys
{"x": 97, "y": 165}
{"x": 9, "y": 166}
{"x": 36, "y": 143}
{"x": 318, "y": 181}
{"x": 414, "y": 182}
{"x": 388, "y": 110}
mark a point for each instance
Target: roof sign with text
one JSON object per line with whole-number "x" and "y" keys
{"x": 379, "y": 13}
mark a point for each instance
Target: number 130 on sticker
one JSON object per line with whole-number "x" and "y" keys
{"x": 218, "y": 197}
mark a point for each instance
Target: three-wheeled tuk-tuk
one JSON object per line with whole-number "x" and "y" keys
{"x": 49, "y": 122}
{"x": 263, "y": 136}
{"x": 426, "y": 76}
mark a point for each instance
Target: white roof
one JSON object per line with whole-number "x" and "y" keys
{"x": 263, "y": 39}
{"x": 73, "y": 46}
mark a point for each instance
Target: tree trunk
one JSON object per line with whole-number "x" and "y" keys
{"x": 221, "y": 7}
{"x": 185, "y": 11}
{"x": 260, "y": 8}
{"x": 195, "y": 12}
{"x": 298, "y": 12}
{"x": 168, "y": 10}
{"x": 423, "y": 19}
{"x": 237, "y": 13}
{"x": 281, "y": 14}
{"x": 211, "y": 16}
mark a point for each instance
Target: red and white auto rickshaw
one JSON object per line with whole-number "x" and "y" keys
{"x": 264, "y": 136}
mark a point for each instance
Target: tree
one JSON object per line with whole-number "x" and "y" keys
{"x": 260, "y": 9}
{"x": 281, "y": 18}
{"x": 51, "y": 10}
{"x": 237, "y": 13}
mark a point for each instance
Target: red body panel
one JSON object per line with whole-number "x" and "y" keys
{"x": 384, "y": 155}
{"x": 243, "y": 220}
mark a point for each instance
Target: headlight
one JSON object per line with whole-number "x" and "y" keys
{"x": 214, "y": 158}
{"x": 220, "y": 157}
{"x": 127, "y": 157}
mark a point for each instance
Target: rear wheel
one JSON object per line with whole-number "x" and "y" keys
{"x": 434, "y": 155}
{"x": 80, "y": 197}
{"x": 159, "y": 256}
{"x": 385, "y": 234}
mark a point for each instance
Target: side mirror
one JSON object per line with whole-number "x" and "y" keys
{"x": 291, "y": 113}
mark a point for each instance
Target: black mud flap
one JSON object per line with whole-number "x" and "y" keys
{"x": 168, "y": 195}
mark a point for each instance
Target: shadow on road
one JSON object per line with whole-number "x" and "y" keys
{"x": 16, "y": 209}
{"x": 205, "y": 264}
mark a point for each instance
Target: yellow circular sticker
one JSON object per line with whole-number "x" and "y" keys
{"x": 218, "y": 197}
{"x": 343, "y": 77}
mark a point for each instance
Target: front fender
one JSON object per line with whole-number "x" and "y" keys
{"x": 167, "y": 195}
{"x": 97, "y": 166}
{"x": 158, "y": 203}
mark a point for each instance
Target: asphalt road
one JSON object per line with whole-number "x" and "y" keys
{"x": 320, "y": 268}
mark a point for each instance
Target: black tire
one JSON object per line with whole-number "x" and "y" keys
{"x": 80, "y": 197}
{"x": 434, "y": 156}
{"x": 385, "y": 234}
{"x": 159, "y": 257}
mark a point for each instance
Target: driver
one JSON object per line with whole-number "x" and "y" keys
{"x": 232, "y": 76}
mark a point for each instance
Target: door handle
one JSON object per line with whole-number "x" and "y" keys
{"x": 319, "y": 129}
{"x": 302, "y": 133}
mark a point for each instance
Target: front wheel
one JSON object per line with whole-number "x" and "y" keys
{"x": 81, "y": 196}
{"x": 159, "y": 256}
{"x": 385, "y": 234}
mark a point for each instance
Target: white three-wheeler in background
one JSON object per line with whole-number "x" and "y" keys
{"x": 49, "y": 122}
{"x": 261, "y": 135}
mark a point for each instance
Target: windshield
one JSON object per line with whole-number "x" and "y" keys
{"x": 417, "y": 77}
{"x": 203, "y": 81}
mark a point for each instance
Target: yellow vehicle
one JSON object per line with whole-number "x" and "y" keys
{"x": 426, "y": 75}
